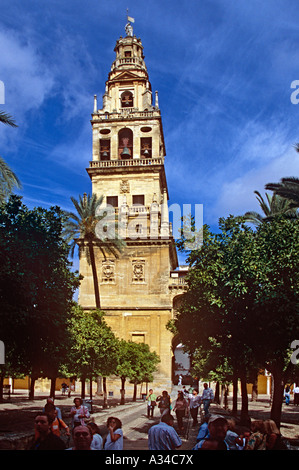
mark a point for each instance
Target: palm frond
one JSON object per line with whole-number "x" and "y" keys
{"x": 83, "y": 225}
{"x": 288, "y": 188}
{"x": 253, "y": 217}
{"x": 7, "y": 119}
{"x": 8, "y": 180}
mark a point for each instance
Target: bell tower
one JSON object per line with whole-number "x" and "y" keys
{"x": 127, "y": 168}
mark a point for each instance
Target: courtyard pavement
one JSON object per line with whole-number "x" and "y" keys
{"x": 17, "y": 418}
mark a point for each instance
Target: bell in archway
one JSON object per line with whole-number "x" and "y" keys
{"x": 126, "y": 153}
{"x": 105, "y": 154}
{"x": 146, "y": 152}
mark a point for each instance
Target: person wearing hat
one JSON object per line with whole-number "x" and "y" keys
{"x": 215, "y": 440}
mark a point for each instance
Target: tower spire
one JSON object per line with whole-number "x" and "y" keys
{"x": 129, "y": 27}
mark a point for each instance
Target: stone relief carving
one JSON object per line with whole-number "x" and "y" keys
{"x": 138, "y": 267}
{"x": 124, "y": 186}
{"x": 108, "y": 271}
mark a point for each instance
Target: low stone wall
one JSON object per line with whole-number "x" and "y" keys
{"x": 16, "y": 441}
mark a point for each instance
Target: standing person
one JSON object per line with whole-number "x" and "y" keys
{"x": 71, "y": 388}
{"x": 79, "y": 413}
{"x": 64, "y": 388}
{"x": 82, "y": 438}
{"x": 56, "y": 423}
{"x": 151, "y": 403}
{"x": 180, "y": 382}
{"x": 296, "y": 395}
{"x": 215, "y": 440}
{"x": 287, "y": 394}
{"x": 180, "y": 408}
{"x": 163, "y": 436}
{"x": 45, "y": 439}
{"x": 194, "y": 404}
{"x": 164, "y": 403}
{"x": 97, "y": 441}
{"x": 206, "y": 397}
{"x": 50, "y": 401}
{"x": 114, "y": 440}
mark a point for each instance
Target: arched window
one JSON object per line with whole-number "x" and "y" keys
{"x": 146, "y": 147}
{"x": 125, "y": 144}
{"x": 104, "y": 149}
{"x": 126, "y": 99}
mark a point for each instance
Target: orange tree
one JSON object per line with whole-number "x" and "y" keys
{"x": 93, "y": 348}
{"x": 36, "y": 289}
{"x": 241, "y": 305}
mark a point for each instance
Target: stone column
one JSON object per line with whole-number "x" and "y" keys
{"x": 164, "y": 216}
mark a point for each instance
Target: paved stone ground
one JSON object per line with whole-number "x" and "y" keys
{"x": 17, "y": 419}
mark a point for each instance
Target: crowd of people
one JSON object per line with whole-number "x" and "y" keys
{"x": 187, "y": 401}
{"x": 215, "y": 431}
{"x": 50, "y": 430}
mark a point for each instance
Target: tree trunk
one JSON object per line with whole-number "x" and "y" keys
{"x": 235, "y": 395}
{"x": 244, "y": 409}
{"x": 222, "y": 395}
{"x": 52, "y": 388}
{"x": 99, "y": 385}
{"x": 105, "y": 404}
{"x": 122, "y": 392}
{"x": 31, "y": 388}
{"x": 95, "y": 276}
{"x": 1, "y": 386}
{"x": 277, "y": 395}
{"x": 217, "y": 399}
{"x": 82, "y": 388}
{"x": 254, "y": 393}
{"x": 135, "y": 392}
{"x": 90, "y": 388}
{"x": 225, "y": 397}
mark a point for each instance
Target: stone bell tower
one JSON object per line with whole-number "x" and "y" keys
{"x": 127, "y": 168}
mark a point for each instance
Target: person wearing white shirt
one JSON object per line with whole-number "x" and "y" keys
{"x": 206, "y": 397}
{"x": 296, "y": 395}
{"x": 97, "y": 441}
{"x": 194, "y": 404}
{"x": 114, "y": 440}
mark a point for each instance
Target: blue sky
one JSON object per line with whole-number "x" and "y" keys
{"x": 223, "y": 70}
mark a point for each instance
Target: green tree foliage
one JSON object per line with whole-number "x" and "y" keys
{"x": 93, "y": 346}
{"x": 137, "y": 363}
{"x": 36, "y": 288}
{"x": 241, "y": 306}
{"x": 144, "y": 364}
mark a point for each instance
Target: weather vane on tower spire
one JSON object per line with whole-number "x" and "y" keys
{"x": 129, "y": 27}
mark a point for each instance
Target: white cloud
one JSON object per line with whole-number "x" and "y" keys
{"x": 27, "y": 79}
{"x": 236, "y": 196}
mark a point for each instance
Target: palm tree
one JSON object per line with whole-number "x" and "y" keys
{"x": 274, "y": 205}
{"x": 80, "y": 229}
{"x": 288, "y": 188}
{"x": 8, "y": 179}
